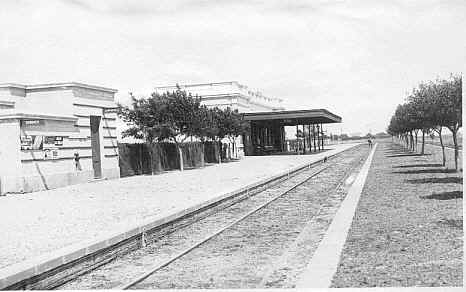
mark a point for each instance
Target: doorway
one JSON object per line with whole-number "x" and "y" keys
{"x": 95, "y": 145}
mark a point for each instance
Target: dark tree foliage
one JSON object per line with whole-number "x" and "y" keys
{"x": 432, "y": 106}
{"x": 176, "y": 116}
{"x": 228, "y": 124}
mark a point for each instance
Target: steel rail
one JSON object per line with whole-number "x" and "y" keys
{"x": 182, "y": 253}
{"x": 330, "y": 189}
{"x": 349, "y": 171}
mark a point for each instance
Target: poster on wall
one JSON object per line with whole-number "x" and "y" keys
{"x": 32, "y": 142}
{"x": 26, "y": 142}
{"x": 39, "y": 142}
{"x": 51, "y": 153}
{"x": 58, "y": 141}
{"x": 53, "y": 141}
{"x": 49, "y": 142}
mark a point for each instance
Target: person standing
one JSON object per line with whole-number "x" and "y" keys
{"x": 77, "y": 164}
{"x": 369, "y": 142}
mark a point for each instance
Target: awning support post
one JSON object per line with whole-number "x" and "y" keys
{"x": 297, "y": 139}
{"x": 318, "y": 136}
{"x": 309, "y": 132}
{"x": 322, "y": 131}
{"x": 304, "y": 140}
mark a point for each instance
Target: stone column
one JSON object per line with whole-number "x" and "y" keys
{"x": 10, "y": 156}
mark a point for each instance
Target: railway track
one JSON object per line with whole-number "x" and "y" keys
{"x": 237, "y": 245}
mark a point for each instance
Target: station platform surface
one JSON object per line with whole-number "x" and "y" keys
{"x": 35, "y": 224}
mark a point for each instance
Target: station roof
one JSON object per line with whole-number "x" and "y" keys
{"x": 295, "y": 117}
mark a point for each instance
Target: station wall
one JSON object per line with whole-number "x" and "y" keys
{"x": 31, "y": 169}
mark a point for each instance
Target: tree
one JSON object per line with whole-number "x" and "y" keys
{"x": 431, "y": 107}
{"x": 422, "y": 112}
{"x": 400, "y": 126}
{"x": 344, "y": 137}
{"x": 171, "y": 116}
{"x": 145, "y": 119}
{"x": 222, "y": 128}
{"x": 440, "y": 102}
{"x": 449, "y": 96}
{"x": 206, "y": 127}
{"x": 414, "y": 121}
{"x": 382, "y": 135}
{"x": 234, "y": 125}
{"x": 182, "y": 116}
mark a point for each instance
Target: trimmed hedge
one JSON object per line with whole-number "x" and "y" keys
{"x": 135, "y": 159}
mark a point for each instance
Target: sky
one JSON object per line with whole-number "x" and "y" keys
{"x": 358, "y": 59}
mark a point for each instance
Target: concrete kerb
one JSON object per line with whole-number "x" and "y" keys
{"x": 27, "y": 269}
{"x": 324, "y": 263}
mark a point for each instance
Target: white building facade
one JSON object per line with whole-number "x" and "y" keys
{"x": 229, "y": 94}
{"x": 54, "y": 135}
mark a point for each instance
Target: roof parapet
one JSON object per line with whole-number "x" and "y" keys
{"x": 57, "y": 85}
{"x": 244, "y": 90}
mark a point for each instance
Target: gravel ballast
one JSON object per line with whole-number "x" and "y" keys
{"x": 408, "y": 226}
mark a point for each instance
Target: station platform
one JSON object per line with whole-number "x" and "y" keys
{"x": 36, "y": 224}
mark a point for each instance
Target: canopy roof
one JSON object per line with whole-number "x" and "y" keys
{"x": 295, "y": 117}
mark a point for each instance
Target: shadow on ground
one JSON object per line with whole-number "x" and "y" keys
{"x": 436, "y": 180}
{"x": 418, "y": 171}
{"x": 398, "y": 152}
{"x": 295, "y": 153}
{"x": 231, "y": 160}
{"x": 419, "y": 165}
{"x": 444, "y": 196}
{"x": 455, "y": 223}
{"x": 407, "y": 155}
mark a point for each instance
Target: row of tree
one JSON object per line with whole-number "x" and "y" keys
{"x": 177, "y": 116}
{"x": 345, "y": 137}
{"x": 429, "y": 109}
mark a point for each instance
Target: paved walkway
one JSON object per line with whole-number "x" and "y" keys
{"x": 323, "y": 265}
{"x": 38, "y": 223}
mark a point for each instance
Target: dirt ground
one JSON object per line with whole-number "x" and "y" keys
{"x": 408, "y": 226}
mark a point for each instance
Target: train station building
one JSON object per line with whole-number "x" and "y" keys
{"x": 267, "y": 134}
{"x": 54, "y": 135}
{"x": 267, "y": 116}
{"x": 59, "y": 134}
